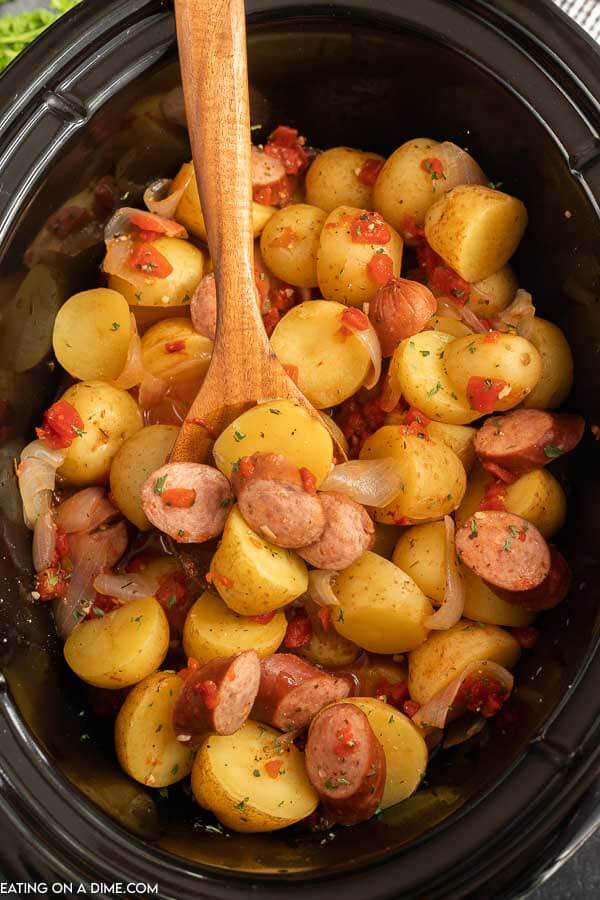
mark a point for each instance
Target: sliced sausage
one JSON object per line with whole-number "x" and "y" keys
{"x": 218, "y": 697}
{"x": 526, "y": 438}
{"x": 552, "y": 591}
{"x": 400, "y": 309}
{"x": 349, "y": 531}
{"x": 188, "y": 501}
{"x": 505, "y": 550}
{"x": 292, "y": 691}
{"x": 273, "y": 500}
{"x": 345, "y": 763}
{"x": 265, "y": 170}
{"x": 203, "y": 307}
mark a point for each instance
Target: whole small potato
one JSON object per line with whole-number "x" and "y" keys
{"x": 350, "y": 268}
{"x": 493, "y": 294}
{"x": 483, "y": 605}
{"x": 381, "y": 608}
{"x": 448, "y": 325}
{"x": 98, "y": 318}
{"x": 475, "y": 229}
{"x": 122, "y": 647}
{"x": 290, "y": 241}
{"x": 189, "y": 213}
{"x": 174, "y": 290}
{"x": 172, "y": 349}
{"x": 212, "y": 630}
{"x": 145, "y": 740}
{"x": 109, "y": 417}
{"x": 421, "y": 553}
{"x": 418, "y": 372}
{"x": 434, "y": 479}
{"x": 445, "y": 654}
{"x": 460, "y": 438}
{"x": 404, "y": 189}
{"x": 510, "y": 359}
{"x": 556, "y": 379}
{"x": 332, "y": 363}
{"x": 137, "y": 458}
{"x": 334, "y": 179}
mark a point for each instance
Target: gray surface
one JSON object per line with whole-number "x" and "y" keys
{"x": 579, "y": 878}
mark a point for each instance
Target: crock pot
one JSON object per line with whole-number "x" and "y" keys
{"x": 519, "y": 86}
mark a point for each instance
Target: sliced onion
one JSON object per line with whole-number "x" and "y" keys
{"x": 518, "y": 316}
{"x": 152, "y": 391}
{"x": 133, "y": 370}
{"x": 435, "y": 713}
{"x": 390, "y": 394}
{"x": 319, "y": 587}
{"x": 370, "y": 341}
{"x": 463, "y": 730}
{"x": 453, "y": 605}
{"x": 372, "y": 482}
{"x": 337, "y": 433}
{"x": 37, "y": 478}
{"x": 85, "y": 511}
{"x": 459, "y": 167}
{"x": 158, "y": 199}
{"x": 119, "y": 225}
{"x": 447, "y": 308}
{"x": 44, "y": 536}
{"x": 451, "y": 310}
{"x": 129, "y": 586}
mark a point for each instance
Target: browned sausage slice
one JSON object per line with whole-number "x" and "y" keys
{"x": 526, "y": 438}
{"x": 346, "y": 763}
{"x": 400, "y": 309}
{"x": 188, "y": 501}
{"x": 218, "y": 697}
{"x": 203, "y": 307}
{"x": 348, "y": 532}
{"x": 292, "y": 691}
{"x": 265, "y": 169}
{"x": 273, "y": 500}
{"x": 503, "y": 549}
{"x": 552, "y": 591}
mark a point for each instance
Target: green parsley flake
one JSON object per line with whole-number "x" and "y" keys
{"x": 241, "y": 804}
{"x": 340, "y": 617}
{"x": 159, "y": 484}
{"x": 434, "y": 390}
{"x": 256, "y": 773}
{"x": 276, "y": 412}
{"x": 238, "y": 436}
{"x": 474, "y": 529}
{"x": 171, "y": 601}
{"x": 424, "y": 352}
{"x": 115, "y": 326}
{"x": 551, "y": 452}
{"x": 99, "y": 613}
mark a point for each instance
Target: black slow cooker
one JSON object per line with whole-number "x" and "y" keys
{"x": 519, "y": 86}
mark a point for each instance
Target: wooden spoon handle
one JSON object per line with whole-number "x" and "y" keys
{"x": 212, "y": 52}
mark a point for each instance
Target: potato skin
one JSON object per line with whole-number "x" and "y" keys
{"x": 295, "y": 261}
{"x": 475, "y": 229}
{"x": 145, "y": 741}
{"x": 212, "y": 630}
{"x": 404, "y": 189}
{"x": 421, "y": 552}
{"x": 511, "y": 358}
{"x": 445, "y": 654}
{"x": 342, "y": 264}
{"x": 263, "y": 577}
{"x": 433, "y": 476}
{"x": 110, "y": 416}
{"x": 483, "y": 605}
{"x": 122, "y": 647}
{"x": 139, "y": 456}
{"x": 493, "y": 294}
{"x": 381, "y": 608}
{"x": 98, "y": 318}
{"x": 332, "y": 364}
{"x": 332, "y": 179}
{"x": 174, "y": 290}
{"x": 223, "y": 780}
{"x": 556, "y": 379}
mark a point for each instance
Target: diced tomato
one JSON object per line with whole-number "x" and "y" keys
{"x": 395, "y": 694}
{"x": 416, "y": 421}
{"x": 401, "y": 520}
{"x": 270, "y": 320}
{"x": 158, "y": 225}
{"x": 324, "y": 617}
{"x": 292, "y": 372}
{"x": 298, "y": 633}
{"x": 410, "y": 708}
{"x": 209, "y": 692}
{"x": 284, "y": 136}
{"x": 68, "y": 220}
{"x": 147, "y": 237}
{"x": 526, "y": 636}
{"x": 380, "y": 268}
{"x": 173, "y": 597}
{"x": 491, "y": 337}
{"x": 346, "y": 745}
{"x": 434, "y": 167}
{"x": 61, "y": 424}
{"x": 105, "y": 197}
{"x": 263, "y": 618}
{"x": 500, "y": 473}
{"x": 482, "y": 694}
{"x": 483, "y": 393}
{"x": 147, "y": 259}
{"x": 273, "y": 767}
{"x": 286, "y": 145}
{"x": 355, "y": 318}
{"x": 180, "y": 498}
{"x": 217, "y": 578}
{"x": 369, "y": 228}
{"x": 428, "y": 259}
{"x": 344, "y": 219}
{"x": 369, "y": 171}
{"x": 278, "y": 193}
{"x": 410, "y": 230}
{"x": 51, "y": 583}
{"x": 286, "y": 239}
{"x": 174, "y": 346}
{"x": 449, "y": 283}
{"x": 360, "y": 419}
{"x": 283, "y": 298}
{"x": 246, "y": 467}
{"x": 309, "y": 482}
{"x": 494, "y": 497}
{"x": 102, "y": 604}
{"x": 62, "y": 543}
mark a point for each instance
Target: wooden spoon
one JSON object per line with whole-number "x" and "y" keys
{"x": 243, "y": 370}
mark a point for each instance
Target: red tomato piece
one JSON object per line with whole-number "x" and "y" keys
{"x": 448, "y": 282}
{"x": 151, "y": 222}
{"x": 209, "y": 692}
{"x": 286, "y": 145}
{"x": 410, "y": 708}
{"x": 483, "y": 393}
{"x": 62, "y": 543}
{"x": 355, "y": 318}
{"x": 324, "y": 617}
{"x": 491, "y": 337}
{"x": 494, "y": 497}
{"x": 147, "y": 259}
{"x": 482, "y": 694}
{"x": 270, "y": 320}
{"x": 434, "y": 167}
{"x": 369, "y": 228}
{"x": 263, "y": 618}
{"x": 61, "y": 424}
{"x": 246, "y": 467}
{"x": 217, "y": 578}
{"x": 358, "y": 419}
{"x": 180, "y": 498}
{"x": 380, "y": 268}
{"x": 298, "y": 633}
{"x": 278, "y": 193}
{"x": 428, "y": 259}
{"x": 395, "y": 694}
{"x": 68, "y": 220}
{"x": 410, "y": 230}
{"x": 286, "y": 239}
{"x": 309, "y": 482}
{"x": 51, "y": 583}
{"x": 174, "y": 346}
{"x": 369, "y": 171}
{"x": 102, "y": 605}
{"x": 273, "y": 767}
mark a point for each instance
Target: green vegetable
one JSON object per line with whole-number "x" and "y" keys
{"x": 17, "y": 31}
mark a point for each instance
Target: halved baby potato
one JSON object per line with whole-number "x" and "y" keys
{"x": 556, "y": 379}
{"x": 97, "y": 319}
{"x": 145, "y": 740}
{"x": 176, "y": 289}
{"x": 253, "y": 780}
{"x": 173, "y": 349}
{"x": 139, "y": 456}
{"x": 290, "y": 241}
